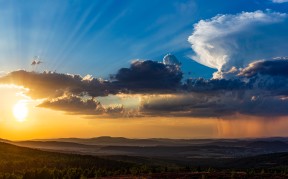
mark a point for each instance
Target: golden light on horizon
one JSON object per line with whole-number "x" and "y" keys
{"x": 20, "y": 111}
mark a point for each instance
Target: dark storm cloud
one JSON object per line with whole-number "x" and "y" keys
{"x": 202, "y": 85}
{"x": 260, "y": 89}
{"x": 266, "y": 106}
{"x": 149, "y": 77}
{"x": 66, "y": 92}
{"x": 269, "y": 75}
{"x": 192, "y": 105}
{"x": 218, "y": 104}
{"x": 277, "y": 67}
{"x": 141, "y": 77}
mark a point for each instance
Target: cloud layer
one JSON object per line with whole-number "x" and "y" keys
{"x": 141, "y": 77}
{"x": 50, "y": 84}
{"x": 227, "y": 41}
{"x": 259, "y": 89}
{"x": 77, "y": 95}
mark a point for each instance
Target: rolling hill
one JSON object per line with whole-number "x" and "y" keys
{"x": 22, "y": 162}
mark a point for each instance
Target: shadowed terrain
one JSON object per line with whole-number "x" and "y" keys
{"x": 21, "y": 162}
{"x": 180, "y": 149}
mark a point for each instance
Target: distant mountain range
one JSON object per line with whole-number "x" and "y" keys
{"x": 121, "y": 141}
{"x": 178, "y": 149}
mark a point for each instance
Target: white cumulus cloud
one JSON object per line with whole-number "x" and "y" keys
{"x": 227, "y": 41}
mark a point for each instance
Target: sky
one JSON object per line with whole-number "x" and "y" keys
{"x": 167, "y": 69}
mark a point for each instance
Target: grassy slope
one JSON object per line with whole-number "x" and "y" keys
{"x": 14, "y": 158}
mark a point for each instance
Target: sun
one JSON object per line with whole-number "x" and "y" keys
{"x": 20, "y": 111}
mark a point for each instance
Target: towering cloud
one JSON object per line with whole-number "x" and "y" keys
{"x": 227, "y": 41}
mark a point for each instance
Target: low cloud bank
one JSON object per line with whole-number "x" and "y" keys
{"x": 259, "y": 89}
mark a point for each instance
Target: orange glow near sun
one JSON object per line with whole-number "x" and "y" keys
{"x": 20, "y": 111}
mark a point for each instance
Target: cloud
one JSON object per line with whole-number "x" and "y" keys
{"x": 224, "y": 104}
{"x": 36, "y": 62}
{"x": 149, "y": 88}
{"x": 227, "y": 41}
{"x": 50, "y": 84}
{"x": 279, "y": 1}
{"x": 269, "y": 75}
{"x": 170, "y": 59}
{"x": 260, "y": 89}
{"x": 149, "y": 77}
{"x": 212, "y": 104}
{"x": 202, "y": 85}
{"x": 183, "y": 105}
{"x": 200, "y": 98}
{"x": 74, "y": 104}
{"x": 84, "y": 106}
{"x": 75, "y": 94}
{"x": 141, "y": 77}
{"x": 276, "y": 67}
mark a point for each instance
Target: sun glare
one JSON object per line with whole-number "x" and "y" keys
{"x": 20, "y": 111}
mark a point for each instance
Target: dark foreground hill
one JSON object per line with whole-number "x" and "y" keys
{"x": 20, "y": 162}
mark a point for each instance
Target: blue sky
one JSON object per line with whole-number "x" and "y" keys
{"x": 242, "y": 45}
{"x": 99, "y": 37}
